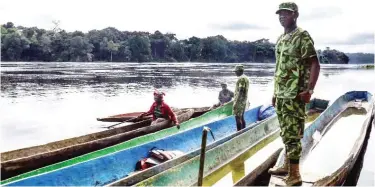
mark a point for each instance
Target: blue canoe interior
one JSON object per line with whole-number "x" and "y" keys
{"x": 107, "y": 169}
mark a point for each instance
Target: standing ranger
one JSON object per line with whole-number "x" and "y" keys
{"x": 240, "y": 97}
{"x": 297, "y": 71}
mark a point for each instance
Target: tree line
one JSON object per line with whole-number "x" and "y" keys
{"x": 109, "y": 44}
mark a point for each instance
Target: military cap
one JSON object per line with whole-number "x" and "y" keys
{"x": 239, "y": 68}
{"x": 291, "y": 6}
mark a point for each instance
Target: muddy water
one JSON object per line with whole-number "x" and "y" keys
{"x": 45, "y": 102}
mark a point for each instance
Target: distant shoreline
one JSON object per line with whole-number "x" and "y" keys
{"x": 30, "y": 44}
{"x": 363, "y": 65}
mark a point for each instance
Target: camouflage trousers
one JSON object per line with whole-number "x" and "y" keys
{"x": 239, "y": 108}
{"x": 291, "y": 116}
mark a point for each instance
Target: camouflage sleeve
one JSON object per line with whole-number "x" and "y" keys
{"x": 274, "y": 84}
{"x": 241, "y": 83}
{"x": 307, "y": 46}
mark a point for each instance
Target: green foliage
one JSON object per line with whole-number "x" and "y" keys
{"x": 109, "y": 44}
{"x": 329, "y": 56}
{"x": 140, "y": 48}
{"x": 12, "y": 46}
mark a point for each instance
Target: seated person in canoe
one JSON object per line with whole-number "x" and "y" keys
{"x": 225, "y": 96}
{"x": 161, "y": 111}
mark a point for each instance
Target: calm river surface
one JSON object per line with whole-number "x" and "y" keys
{"x": 44, "y": 102}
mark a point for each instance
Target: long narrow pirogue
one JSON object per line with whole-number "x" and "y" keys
{"x": 210, "y": 116}
{"x": 124, "y": 117}
{"x": 40, "y": 149}
{"x": 122, "y": 163}
{"x": 242, "y": 144}
{"x": 64, "y": 150}
{"x": 129, "y": 116}
{"x": 331, "y": 145}
{"x": 52, "y": 146}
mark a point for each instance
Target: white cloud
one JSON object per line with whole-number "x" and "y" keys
{"x": 327, "y": 21}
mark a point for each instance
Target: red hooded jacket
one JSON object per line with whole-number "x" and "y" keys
{"x": 165, "y": 110}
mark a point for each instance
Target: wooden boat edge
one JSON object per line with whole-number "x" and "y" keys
{"x": 342, "y": 171}
{"x": 26, "y": 164}
{"x": 266, "y": 164}
{"x": 129, "y": 180}
{"x": 272, "y": 121}
{"x": 338, "y": 177}
{"x": 212, "y": 112}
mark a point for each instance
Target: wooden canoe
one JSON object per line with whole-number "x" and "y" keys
{"x": 34, "y": 150}
{"x": 364, "y": 169}
{"x": 210, "y": 116}
{"x": 124, "y": 117}
{"x": 331, "y": 145}
{"x": 56, "y": 151}
{"x": 40, "y": 149}
{"x": 185, "y": 174}
{"x": 22, "y": 160}
{"x": 199, "y": 111}
{"x": 120, "y": 164}
{"x": 128, "y": 116}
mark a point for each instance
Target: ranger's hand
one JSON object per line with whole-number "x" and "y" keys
{"x": 305, "y": 96}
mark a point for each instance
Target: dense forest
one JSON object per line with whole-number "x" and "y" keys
{"x": 109, "y": 44}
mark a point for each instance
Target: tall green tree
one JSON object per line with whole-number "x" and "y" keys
{"x": 112, "y": 47}
{"x": 140, "y": 48}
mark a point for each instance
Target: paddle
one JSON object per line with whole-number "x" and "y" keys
{"x": 202, "y": 155}
{"x": 108, "y": 127}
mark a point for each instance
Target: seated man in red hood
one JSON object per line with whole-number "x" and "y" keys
{"x": 160, "y": 110}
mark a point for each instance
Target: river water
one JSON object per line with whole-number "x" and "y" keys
{"x": 44, "y": 102}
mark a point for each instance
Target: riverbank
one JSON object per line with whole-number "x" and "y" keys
{"x": 366, "y": 66}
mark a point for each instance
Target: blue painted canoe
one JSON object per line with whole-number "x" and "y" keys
{"x": 109, "y": 168}
{"x": 331, "y": 145}
{"x": 315, "y": 107}
{"x": 242, "y": 144}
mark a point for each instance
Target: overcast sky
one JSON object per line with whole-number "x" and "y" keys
{"x": 345, "y": 25}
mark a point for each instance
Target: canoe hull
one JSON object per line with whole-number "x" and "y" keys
{"x": 323, "y": 125}
{"x": 251, "y": 140}
{"x": 120, "y": 164}
{"x": 213, "y": 115}
{"x": 124, "y": 117}
{"x": 186, "y": 173}
{"x": 140, "y": 176}
{"x": 128, "y": 116}
{"x": 338, "y": 177}
{"x": 30, "y": 151}
{"x": 15, "y": 167}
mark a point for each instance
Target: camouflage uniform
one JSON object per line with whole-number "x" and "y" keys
{"x": 239, "y": 103}
{"x": 291, "y": 77}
